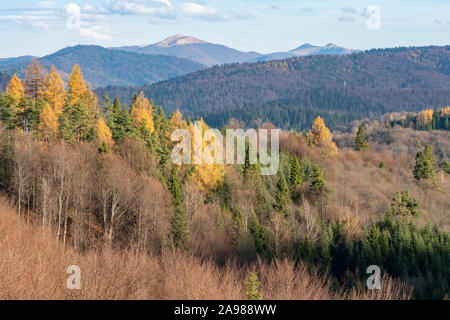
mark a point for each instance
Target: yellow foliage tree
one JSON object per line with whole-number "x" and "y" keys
{"x": 425, "y": 117}
{"x": 321, "y": 136}
{"x": 104, "y": 133}
{"x": 177, "y": 122}
{"x": 445, "y": 111}
{"x": 15, "y": 88}
{"x": 77, "y": 86}
{"x": 53, "y": 90}
{"x": 48, "y": 124}
{"x": 142, "y": 113}
{"x": 205, "y": 175}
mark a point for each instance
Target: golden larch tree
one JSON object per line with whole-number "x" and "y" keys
{"x": 77, "y": 86}
{"x": 15, "y": 89}
{"x": 142, "y": 113}
{"x": 53, "y": 90}
{"x": 48, "y": 124}
{"x": 34, "y": 78}
{"x": 205, "y": 175}
{"x": 104, "y": 133}
{"x": 321, "y": 136}
{"x": 445, "y": 111}
{"x": 425, "y": 117}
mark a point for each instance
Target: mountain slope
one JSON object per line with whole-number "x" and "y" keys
{"x": 4, "y": 79}
{"x": 194, "y": 49}
{"x": 102, "y": 67}
{"x": 356, "y": 85}
{"x": 306, "y": 50}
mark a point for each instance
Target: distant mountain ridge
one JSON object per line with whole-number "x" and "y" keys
{"x": 102, "y": 67}
{"x": 194, "y": 49}
{"x": 288, "y": 91}
{"x": 306, "y": 50}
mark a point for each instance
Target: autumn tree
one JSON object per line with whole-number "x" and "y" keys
{"x": 321, "y": 136}
{"x": 77, "y": 86}
{"x": 361, "y": 140}
{"x": 425, "y": 167}
{"x": 53, "y": 90}
{"x": 424, "y": 118}
{"x": 34, "y": 76}
{"x": 104, "y": 133}
{"x": 48, "y": 124}
{"x": 15, "y": 89}
{"x": 142, "y": 113}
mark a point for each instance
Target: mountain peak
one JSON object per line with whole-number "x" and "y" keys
{"x": 179, "y": 40}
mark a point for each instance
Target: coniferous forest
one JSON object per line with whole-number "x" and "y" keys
{"x": 90, "y": 179}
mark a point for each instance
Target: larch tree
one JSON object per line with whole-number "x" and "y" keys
{"x": 361, "y": 140}
{"x": 77, "y": 86}
{"x": 425, "y": 167}
{"x": 15, "y": 89}
{"x": 48, "y": 124}
{"x": 321, "y": 136}
{"x": 34, "y": 77}
{"x": 53, "y": 90}
{"x": 104, "y": 133}
{"x": 425, "y": 117}
{"x": 142, "y": 113}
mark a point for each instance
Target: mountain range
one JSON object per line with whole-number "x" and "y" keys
{"x": 139, "y": 65}
{"x": 103, "y": 67}
{"x": 289, "y": 92}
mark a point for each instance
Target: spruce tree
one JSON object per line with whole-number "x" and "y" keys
{"x": 382, "y": 165}
{"x": 282, "y": 198}
{"x": 295, "y": 174}
{"x": 252, "y": 287}
{"x": 179, "y": 221}
{"x": 425, "y": 167}
{"x": 318, "y": 184}
{"x": 361, "y": 140}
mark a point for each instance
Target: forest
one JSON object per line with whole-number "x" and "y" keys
{"x": 364, "y": 84}
{"x": 91, "y": 181}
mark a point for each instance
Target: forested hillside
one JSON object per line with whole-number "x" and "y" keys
{"x": 98, "y": 178}
{"x": 339, "y": 88}
{"x": 4, "y": 78}
{"x": 104, "y": 67}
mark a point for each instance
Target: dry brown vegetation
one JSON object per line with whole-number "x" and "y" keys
{"x": 33, "y": 266}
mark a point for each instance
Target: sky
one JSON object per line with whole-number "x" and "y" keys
{"x": 42, "y": 27}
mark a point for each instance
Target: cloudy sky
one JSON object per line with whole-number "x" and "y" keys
{"x": 42, "y": 27}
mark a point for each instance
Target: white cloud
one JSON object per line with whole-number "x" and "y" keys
{"x": 136, "y": 7}
{"x": 201, "y": 11}
{"x": 76, "y": 22}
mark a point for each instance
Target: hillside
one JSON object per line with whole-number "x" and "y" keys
{"x": 104, "y": 67}
{"x": 194, "y": 49}
{"x": 357, "y": 85}
{"x": 306, "y": 50}
{"x": 4, "y": 79}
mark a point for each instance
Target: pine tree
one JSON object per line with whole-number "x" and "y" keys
{"x": 34, "y": 76}
{"x": 252, "y": 285}
{"x": 53, "y": 90}
{"x": 318, "y": 184}
{"x": 282, "y": 198}
{"x": 48, "y": 124}
{"x": 425, "y": 167}
{"x": 361, "y": 141}
{"x": 174, "y": 186}
{"x": 404, "y": 206}
{"x": 296, "y": 178}
{"x": 15, "y": 89}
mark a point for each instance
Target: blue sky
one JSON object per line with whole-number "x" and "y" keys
{"x": 42, "y": 27}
